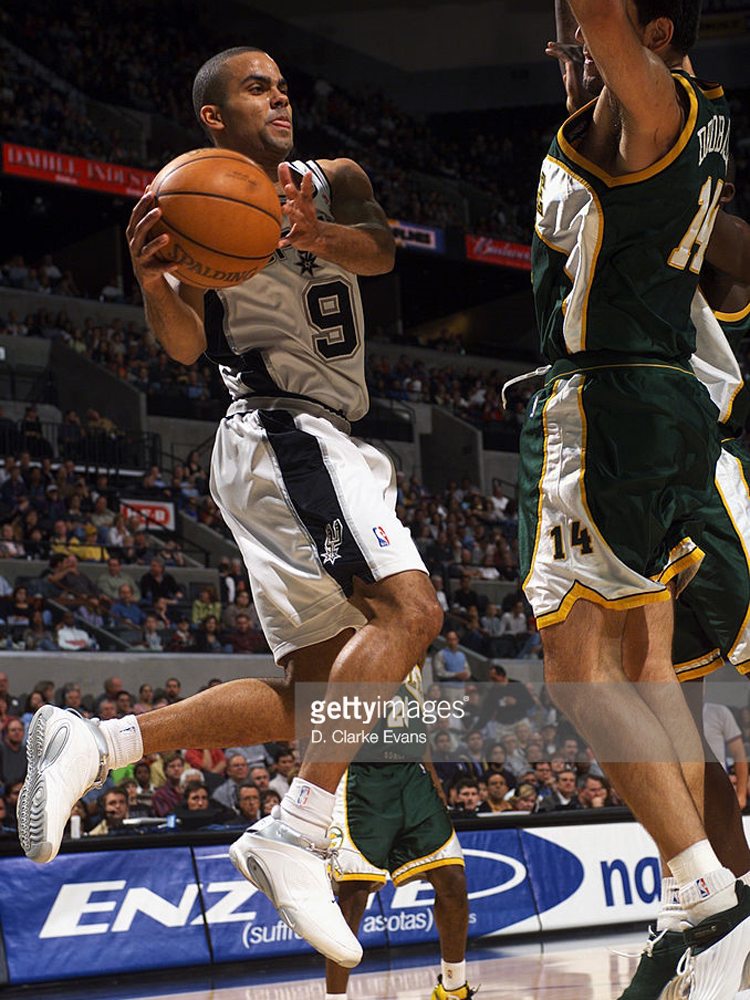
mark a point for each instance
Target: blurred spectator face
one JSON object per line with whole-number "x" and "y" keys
{"x": 452, "y": 639}
{"x": 526, "y": 799}
{"x": 443, "y": 742}
{"x": 570, "y": 749}
{"x": 285, "y": 764}
{"x": 510, "y": 743}
{"x": 237, "y": 768}
{"x": 146, "y": 693}
{"x": 497, "y": 788}
{"x": 14, "y": 731}
{"x": 142, "y": 773}
{"x": 107, "y": 709}
{"x": 557, "y": 763}
{"x": 543, "y": 772}
{"x": 112, "y": 685}
{"x": 174, "y": 770}
{"x": 269, "y": 799}
{"x": 126, "y": 593}
{"x": 152, "y": 623}
{"x": 475, "y": 742}
{"x": 115, "y": 807}
{"x": 566, "y": 784}
{"x": 248, "y": 802}
{"x": 592, "y": 789}
{"x": 124, "y": 703}
{"x": 469, "y": 797}
{"x": 156, "y": 568}
{"x": 260, "y": 778}
{"x": 73, "y": 698}
{"x": 3, "y": 683}
{"x": 197, "y": 798}
{"x": 242, "y": 623}
{"x": 172, "y": 689}
{"x": 130, "y": 786}
{"x": 242, "y": 600}
{"x": 11, "y": 796}
{"x": 3, "y": 812}
{"x": 114, "y": 564}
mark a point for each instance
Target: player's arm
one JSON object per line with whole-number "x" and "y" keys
{"x": 638, "y": 79}
{"x": 729, "y": 247}
{"x": 360, "y": 239}
{"x": 736, "y": 750}
{"x": 174, "y": 311}
{"x": 569, "y": 55}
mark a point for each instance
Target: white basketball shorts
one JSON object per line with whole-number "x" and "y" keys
{"x": 310, "y": 508}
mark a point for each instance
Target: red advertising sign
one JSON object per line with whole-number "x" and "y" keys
{"x": 75, "y": 171}
{"x": 488, "y": 250}
{"x": 154, "y": 514}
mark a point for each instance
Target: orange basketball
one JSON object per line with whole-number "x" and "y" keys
{"x": 222, "y": 214}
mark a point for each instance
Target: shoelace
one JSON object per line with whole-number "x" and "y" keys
{"x": 685, "y": 975}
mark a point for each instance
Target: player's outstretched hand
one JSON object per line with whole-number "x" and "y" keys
{"x": 570, "y": 58}
{"x": 304, "y": 232}
{"x": 148, "y": 267}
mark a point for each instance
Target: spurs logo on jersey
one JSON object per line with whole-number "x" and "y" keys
{"x": 295, "y": 328}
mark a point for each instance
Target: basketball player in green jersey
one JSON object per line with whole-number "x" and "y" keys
{"x": 390, "y": 819}
{"x": 711, "y": 616}
{"x": 620, "y": 446}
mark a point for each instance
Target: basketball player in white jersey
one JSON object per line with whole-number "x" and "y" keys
{"x": 338, "y": 583}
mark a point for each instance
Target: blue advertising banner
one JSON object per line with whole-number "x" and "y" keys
{"x": 89, "y": 914}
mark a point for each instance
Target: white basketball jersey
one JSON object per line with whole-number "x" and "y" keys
{"x": 296, "y": 328}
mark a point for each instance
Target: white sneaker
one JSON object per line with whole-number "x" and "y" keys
{"x": 717, "y": 948}
{"x": 294, "y": 875}
{"x": 67, "y": 755}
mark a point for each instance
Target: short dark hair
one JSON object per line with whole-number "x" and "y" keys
{"x": 210, "y": 80}
{"x": 685, "y": 15}
{"x": 467, "y": 783}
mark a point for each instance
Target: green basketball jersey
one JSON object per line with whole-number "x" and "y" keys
{"x": 616, "y": 259}
{"x": 736, "y": 327}
{"x": 401, "y": 735}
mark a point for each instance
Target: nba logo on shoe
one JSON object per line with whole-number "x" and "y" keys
{"x": 303, "y": 795}
{"x": 703, "y": 891}
{"x": 381, "y": 536}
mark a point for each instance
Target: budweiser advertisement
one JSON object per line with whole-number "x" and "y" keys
{"x": 488, "y": 250}
{"x": 153, "y": 515}
{"x": 75, "y": 171}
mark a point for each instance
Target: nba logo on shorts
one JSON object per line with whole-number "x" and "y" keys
{"x": 303, "y": 794}
{"x": 381, "y": 536}
{"x": 703, "y": 891}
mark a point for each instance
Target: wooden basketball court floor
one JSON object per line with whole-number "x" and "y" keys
{"x": 574, "y": 969}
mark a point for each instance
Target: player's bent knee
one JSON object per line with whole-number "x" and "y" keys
{"x": 449, "y": 883}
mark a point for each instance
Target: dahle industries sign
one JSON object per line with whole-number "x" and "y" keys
{"x": 488, "y": 250}
{"x": 120, "y": 911}
{"x": 76, "y": 171}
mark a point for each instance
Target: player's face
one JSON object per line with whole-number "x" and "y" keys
{"x": 592, "y": 79}
{"x": 256, "y": 112}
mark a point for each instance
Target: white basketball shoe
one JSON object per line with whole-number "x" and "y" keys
{"x": 67, "y": 755}
{"x": 293, "y": 873}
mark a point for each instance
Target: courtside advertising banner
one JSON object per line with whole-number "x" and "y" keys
{"x": 74, "y": 171}
{"x": 488, "y": 250}
{"x": 124, "y": 911}
{"x": 414, "y": 237}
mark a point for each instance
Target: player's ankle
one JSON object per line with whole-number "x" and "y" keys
{"x": 453, "y": 973}
{"x": 124, "y": 741}
{"x": 307, "y": 809}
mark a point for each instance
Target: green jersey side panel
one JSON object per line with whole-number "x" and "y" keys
{"x": 616, "y": 260}
{"x": 736, "y": 328}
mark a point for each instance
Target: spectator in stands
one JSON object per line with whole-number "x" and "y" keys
{"x": 173, "y": 690}
{"x": 109, "y": 583}
{"x": 515, "y": 622}
{"x": 260, "y": 777}
{"x": 197, "y": 810}
{"x": 168, "y": 797}
{"x": 156, "y": 583}
{"x": 107, "y": 709}
{"x": 124, "y": 704}
{"x": 450, "y": 664}
{"x": 34, "y": 701}
{"x": 525, "y": 799}
{"x": 152, "y": 634}
{"x": 208, "y": 638}
{"x": 13, "y": 703}
{"x": 115, "y": 808}
{"x": 10, "y": 546}
{"x": 182, "y": 639}
{"x": 37, "y": 636}
{"x": 72, "y": 585}
{"x": 241, "y": 605}
{"x": 439, "y": 587}
{"x": 118, "y": 536}
{"x": 160, "y": 611}
{"x": 593, "y": 792}
{"x": 71, "y": 637}
{"x": 146, "y": 787}
{"x": 212, "y": 761}
{"x": 497, "y": 793}
{"x": 227, "y": 585}
{"x": 227, "y": 794}
{"x": 724, "y": 737}
{"x": 506, "y": 701}
{"x": 204, "y": 605}
{"x": 244, "y": 638}
{"x": 13, "y": 752}
{"x": 125, "y": 611}
{"x": 285, "y": 766}
{"x": 94, "y": 612}
{"x": 268, "y": 800}
{"x": 468, "y": 800}
{"x": 564, "y": 796}
{"x": 248, "y": 803}
{"x": 112, "y": 687}
{"x": 464, "y": 597}
{"x": 515, "y": 759}
{"x": 73, "y": 698}
{"x": 145, "y": 699}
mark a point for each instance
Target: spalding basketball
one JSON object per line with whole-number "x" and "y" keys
{"x": 222, "y": 214}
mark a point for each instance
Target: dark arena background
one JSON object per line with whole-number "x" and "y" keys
{"x": 105, "y": 447}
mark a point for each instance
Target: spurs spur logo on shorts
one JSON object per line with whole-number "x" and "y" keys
{"x": 332, "y": 544}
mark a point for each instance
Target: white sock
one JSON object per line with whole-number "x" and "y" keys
{"x": 705, "y": 887}
{"x": 454, "y": 974}
{"x": 124, "y": 741}
{"x": 335, "y": 996}
{"x": 307, "y": 808}
{"x": 671, "y": 913}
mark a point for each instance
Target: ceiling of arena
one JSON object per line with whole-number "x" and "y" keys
{"x": 426, "y": 35}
